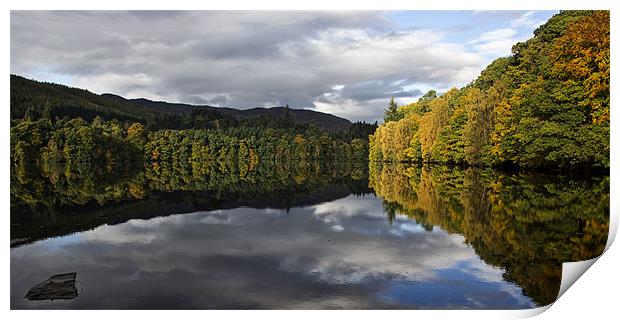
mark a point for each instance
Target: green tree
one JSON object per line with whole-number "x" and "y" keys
{"x": 545, "y": 106}
{"x": 392, "y": 113}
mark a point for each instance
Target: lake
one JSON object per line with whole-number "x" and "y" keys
{"x": 302, "y": 236}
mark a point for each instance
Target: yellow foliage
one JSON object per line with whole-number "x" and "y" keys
{"x": 583, "y": 53}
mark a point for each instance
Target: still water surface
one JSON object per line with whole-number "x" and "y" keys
{"x": 438, "y": 238}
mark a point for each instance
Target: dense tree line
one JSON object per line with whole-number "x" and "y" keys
{"x": 245, "y": 147}
{"x": 526, "y": 224}
{"x": 546, "y": 105}
{"x": 53, "y": 123}
{"x": 358, "y": 130}
{"x": 76, "y": 142}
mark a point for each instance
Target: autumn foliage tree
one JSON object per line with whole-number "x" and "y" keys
{"x": 545, "y": 106}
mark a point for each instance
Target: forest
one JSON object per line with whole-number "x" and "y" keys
{"x": 113, "y": 144}
{"x": 546, "y": 106}
{"x": 54, "y": 124}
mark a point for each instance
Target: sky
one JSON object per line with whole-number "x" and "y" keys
{"x": 344, "y": 63}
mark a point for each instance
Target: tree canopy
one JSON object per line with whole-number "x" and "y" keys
{"x": 544, "y": 106}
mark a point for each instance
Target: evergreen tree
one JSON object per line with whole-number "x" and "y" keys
{"x": 392, "y": 113}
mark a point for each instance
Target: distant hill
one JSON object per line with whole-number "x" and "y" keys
{"x": 33, "y": 98}
{"x": 36, "y": 99}
{"x": 322, "y": 120}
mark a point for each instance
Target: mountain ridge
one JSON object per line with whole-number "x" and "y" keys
{"x": 322, "y": 120}
{"x": 32, "y": 98}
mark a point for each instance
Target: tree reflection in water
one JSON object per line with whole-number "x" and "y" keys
{"x": 528, "y": 224}
{"x": 525, "y": 223}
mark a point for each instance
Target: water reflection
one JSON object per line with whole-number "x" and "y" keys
{"x": 527, "y": 224}
{"x": 431, "y": 238}
{"x": 56, "y": 201}
{"x": 265, "y": 258}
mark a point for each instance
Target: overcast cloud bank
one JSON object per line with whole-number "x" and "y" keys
{"x": 345, "y": 63}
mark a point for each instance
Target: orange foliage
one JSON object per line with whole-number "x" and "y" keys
{"x": 583, "y": 53}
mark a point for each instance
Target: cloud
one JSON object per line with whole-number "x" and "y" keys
{"x": 346, "y": 63}
{"x": 376, "y": 89}
{"x": 239, "y": 59}
{"x": 526, "y": 20}
{"x": 499, "y": 42}
{"x": 244, "y": 257}
{"x": 352, "y": 109}
{"x": 496, "y": 42}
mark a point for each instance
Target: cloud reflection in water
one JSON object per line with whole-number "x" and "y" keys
{"x": 339, "y": 254}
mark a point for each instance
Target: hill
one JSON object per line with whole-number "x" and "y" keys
{"x": 31, "y": 98}
{"x": 324, "y": 121}
{"x": 34, "y": 99}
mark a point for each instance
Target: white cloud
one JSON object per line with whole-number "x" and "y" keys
{"x": 526, "y": 20}
{"x": 497, "y": 42}
{"x": 353, "y": 110}
{"x": 251, "y": 58}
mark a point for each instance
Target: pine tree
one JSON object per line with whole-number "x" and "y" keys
{"x": 392, "y": 113}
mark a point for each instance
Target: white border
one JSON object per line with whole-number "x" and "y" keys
{"x": 594, "y": 295}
